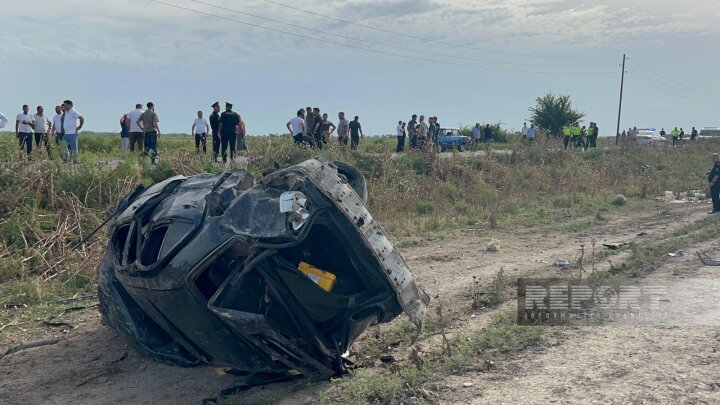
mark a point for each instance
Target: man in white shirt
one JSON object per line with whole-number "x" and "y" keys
{"x": 476, "y": 135}
{"x": 530, "y": 133}
{"x": 200, "y": 130}
{"x": 56, "y": 125}
{"x": 136, "y": 134}
{"x": 343, "y": 129}
{"x": 3, "y": 120}
{"x": 42, "y": 125}
{"x": 70, "y": 128}
{"x": 296, "y": 126}
{"x": 524, "y": 131}
{"x": 24, "y": 124}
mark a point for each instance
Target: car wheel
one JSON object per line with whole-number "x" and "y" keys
{"x": 354, "y": 178}
{"x": 461, "y": 148}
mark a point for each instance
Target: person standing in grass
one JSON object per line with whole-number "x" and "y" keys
{"x": 530, "y": 134}
{"x": 149, "y": 123}
{"x": 524, "y": 131}
{"x": 317, "y": 138}
{"x": 577, "y": 135}
{"x": 200, "y": 130}
{"x": 215, "y": 128}
{"x": 229, "y": 121}
{"x": 296, "y": 127}
{"x": 400, "y": 129}
{"x": 432, "y": 133}
{"x": 124, "y": 133}
{"x": 309, "y": 126}
{"x": 476, "y": 135}
{"x": 355, "y": 133}
{"x": 714, "y": 182}
{"x": 489, "y": 135}
{"x": 422, "y": 133}
{"x": 693, "y": 134}
{"x": 675, "y": 136}
{"x": 42, "y": 126}
{"x": 412, "y": 131}
{"x": 343, "y": 129}
{"x": 55, "y": 129}
{"x": 567, "y": 135}
{"x": 135, "y": 133}
{"x": 326, "y": 129}
{"x": 24, "y": 130}
{"x": 71, "y": 123}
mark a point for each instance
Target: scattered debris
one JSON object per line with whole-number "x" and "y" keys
{"x": 707, "y": 260}
{"x": 677, "y": 253}
{"x": 620, "y": 200}
{"x": 642, "y": 233}
{"x": 614, "y": 246}
{"x": 28, "y": 345}
{"x": 270, "y": 279}
{"x": 489, "y": 365}
{"x": 387, "y": 359}
{"x": 561, "y": 263}
{"x": 493, "y": 246}
{"x": 467, "y": 385}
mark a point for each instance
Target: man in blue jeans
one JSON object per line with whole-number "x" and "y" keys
{"x": 69, "y": 128}
{"x": 149, "y": 123}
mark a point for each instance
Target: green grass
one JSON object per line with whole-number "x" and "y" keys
{"x": 469, "y": 353}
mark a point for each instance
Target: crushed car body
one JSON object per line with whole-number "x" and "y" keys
{"x": 281, "y": 276}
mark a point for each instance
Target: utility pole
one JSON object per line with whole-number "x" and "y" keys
{"x": 622, "y": 83}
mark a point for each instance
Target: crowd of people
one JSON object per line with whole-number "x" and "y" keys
{"x": 310, "y": 128}
{"x": 141, "y": 128}
{"x": 39, "y": 128}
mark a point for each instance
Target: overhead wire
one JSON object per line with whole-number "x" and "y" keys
{"x": 371, "y": 49}
{"x": 672, "y": 82}
{"x": 660, "y": 85}
{"x": 385, "y": 44}
{"x": 433, "y": 40}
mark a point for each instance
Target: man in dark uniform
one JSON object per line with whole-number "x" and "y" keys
{"x": 215, "y": 128}
{"x": 714, "y": 181}
{"x": 229, "y": 121}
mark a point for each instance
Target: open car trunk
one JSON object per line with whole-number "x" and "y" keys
{"x": 276, "y": 277}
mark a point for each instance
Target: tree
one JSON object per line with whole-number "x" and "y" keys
{"x": 552, "y": 113}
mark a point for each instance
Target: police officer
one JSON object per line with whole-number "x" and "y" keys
{"x": 567, "y": 134}
{"x": 675, "y": 135}
{"x": 229, "y": 121}
{"x": 714, "y": 181}
{"x": 215, "y": 128}
{"x": 577, "y": 135}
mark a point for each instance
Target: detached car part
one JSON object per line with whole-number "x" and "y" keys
{"x": 276, "y": 277}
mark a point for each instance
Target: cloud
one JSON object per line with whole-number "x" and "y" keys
{"x": 143, "y": 33}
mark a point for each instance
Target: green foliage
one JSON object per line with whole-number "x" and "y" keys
{"x": 552, "y": 113}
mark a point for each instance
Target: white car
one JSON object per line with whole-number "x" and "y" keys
{"x": 649, "y": 136}
{"x": 709, "y": 133}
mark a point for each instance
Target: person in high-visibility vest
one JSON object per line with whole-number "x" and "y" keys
{"x": 591, "y": 136}
{"x": 675, "y": 135}
{"x": 567, "y": 133}
{"x": 577, "y": 135}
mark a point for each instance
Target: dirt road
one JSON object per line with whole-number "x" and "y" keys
{"x": 606, "y": 364}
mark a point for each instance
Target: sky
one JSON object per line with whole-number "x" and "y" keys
{"x": 462, "y": 61}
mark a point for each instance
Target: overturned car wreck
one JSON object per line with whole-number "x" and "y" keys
{"x": 278, "y": 277}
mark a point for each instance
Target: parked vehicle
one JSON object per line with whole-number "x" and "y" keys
{"x": 649, "y": 136}
{"x": 452, "y": 138}
{"x": 709, "y": 132}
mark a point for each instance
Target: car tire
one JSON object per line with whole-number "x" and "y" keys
{"x": 355, "y": 179}
{"x": 461, "y": 148}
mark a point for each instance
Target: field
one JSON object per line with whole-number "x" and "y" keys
{"x": 539, "y": 203}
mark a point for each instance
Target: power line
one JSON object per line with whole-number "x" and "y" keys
{"x": 385, "y": 44}
{"x": 370, "y": 49}
{"x": 660, "y": 85}
{"x": 675, "y": 83}
{"x": 429, "y": 39}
